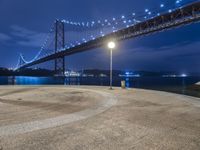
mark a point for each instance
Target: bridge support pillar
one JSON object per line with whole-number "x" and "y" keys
{"x": 60, "y": 66}
{"x": 59, "y": 44}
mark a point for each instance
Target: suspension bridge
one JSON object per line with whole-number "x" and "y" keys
{"x": 68, "y": 37}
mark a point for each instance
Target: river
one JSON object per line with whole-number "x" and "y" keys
{"x": 170, "y": 84}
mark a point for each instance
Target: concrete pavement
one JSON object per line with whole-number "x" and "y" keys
{"x": 118, "y": 119}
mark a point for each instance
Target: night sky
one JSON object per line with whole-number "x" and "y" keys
{"x": 24, "y": 24}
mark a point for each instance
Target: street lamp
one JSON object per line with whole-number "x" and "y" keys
{"x": 111, "y": 46}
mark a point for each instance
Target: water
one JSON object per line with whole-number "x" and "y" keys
{"x": 177, "y": 85}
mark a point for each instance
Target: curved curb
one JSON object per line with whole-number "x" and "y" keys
{"x": 109, "y": 101}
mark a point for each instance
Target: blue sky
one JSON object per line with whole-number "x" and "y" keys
{"x": 24, "y": 24}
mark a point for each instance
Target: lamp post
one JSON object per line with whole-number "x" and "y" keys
{"x": 111, "y": 46}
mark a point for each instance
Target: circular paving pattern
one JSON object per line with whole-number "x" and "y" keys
{"x": 25, "y": 110}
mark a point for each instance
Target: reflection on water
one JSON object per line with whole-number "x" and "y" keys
{"x": 127, "y": 82}
{"x": 183, "y": 85}
{"x": 178, "y": 84}
{"x": 38, "y": 80}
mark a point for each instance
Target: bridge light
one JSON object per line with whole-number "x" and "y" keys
{"x": 162, "y": 5}
{"x": 64, "y": 21}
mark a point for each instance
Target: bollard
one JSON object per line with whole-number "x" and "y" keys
{"x": 123, "y": 84}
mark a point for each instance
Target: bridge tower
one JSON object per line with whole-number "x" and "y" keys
{"x": 59, "y": 44}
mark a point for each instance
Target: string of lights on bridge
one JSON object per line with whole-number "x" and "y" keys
{"x": 37, "y": 56}
{"x": 123, "y": 18}
{"x": 116, "y": 23}
{"x": 105, "y": 26}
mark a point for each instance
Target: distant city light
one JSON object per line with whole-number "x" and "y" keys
{"x": 127, "y": 73}
{"x": 183, "y": 75}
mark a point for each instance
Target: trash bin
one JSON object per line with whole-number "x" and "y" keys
{"x": 123, "y": 84}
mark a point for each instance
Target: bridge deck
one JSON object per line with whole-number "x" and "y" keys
{"x": 185, "y": 15}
